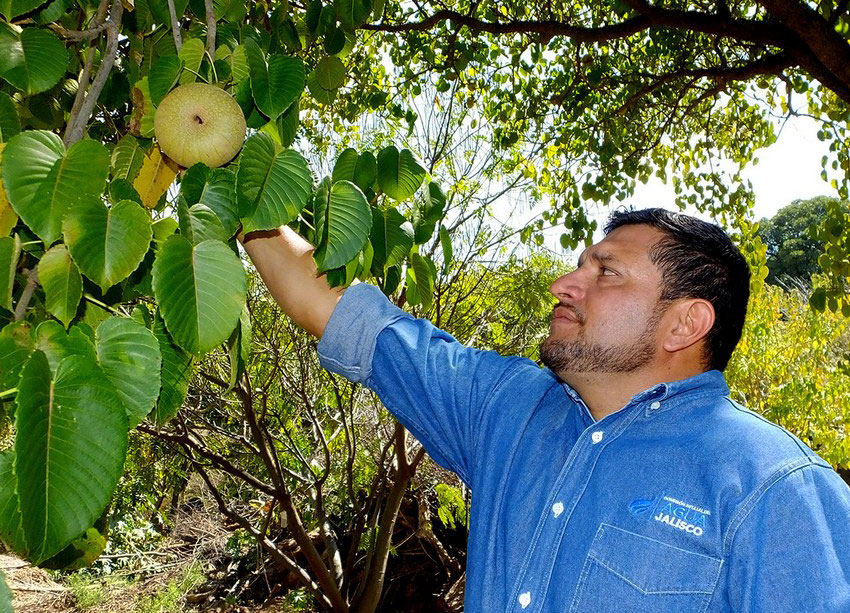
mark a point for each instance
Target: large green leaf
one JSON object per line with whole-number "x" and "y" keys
{"x": 199, "y": 223}
{"x": 391, "y": 238}
{"x": 275, "y": 84}
{"x": 57, "y": 344}
{"x": 365, "y": 171}
{"x": 10, "y": 123}
{"x": 216, "y": 188}
{"x": 11, "y": 530}
{"x": 272, "y": 186}
{"x": 27, "y": 161}
{"x": 62, "y": 283}
{"x": 176, "y": 374}
{"x": 399, "y": 174}
{"x": 163, "y": 76}
{"x": 287, "y": 124}
{"x": 12, "y": 8}
{"x": 353, "y": 13}
{"x": 343, "y": 221}
{"x": 345, "y": 165}
{"x": 127, "y": 158}
{"x": 43, "y": 182}
{"x": 70, "y": 446}
{"x": 107, "y": 243}
{"x": 31, "y": 59}
{"x": 326, "y": 78}
{"x": 230, "y": 10}
{"x": 80, "y": 175}
{"x": 200, "y": 290}
{"x": 427, "y": 213}
{"x": 10, "y": 250}
{"x": 16, "y": 344}
{"x": 129, "y": 354}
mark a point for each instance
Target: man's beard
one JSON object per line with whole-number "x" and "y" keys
{"x": 580, "y": 356}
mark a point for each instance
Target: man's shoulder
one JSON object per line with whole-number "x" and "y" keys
{"x": 751, "y": 449}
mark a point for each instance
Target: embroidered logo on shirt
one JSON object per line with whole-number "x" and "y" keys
{"x": 672, "y": 512}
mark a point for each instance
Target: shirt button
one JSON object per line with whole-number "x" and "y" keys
{"x": 557, "y": 508}
{"x": 525, "y": 599}
{"x": 596, "y": 436}
{"x": 655, "y": 405}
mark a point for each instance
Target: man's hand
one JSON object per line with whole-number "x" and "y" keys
{"x": 285, "y": 262}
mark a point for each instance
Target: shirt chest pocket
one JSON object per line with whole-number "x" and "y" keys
{"x": 625, "y": 571}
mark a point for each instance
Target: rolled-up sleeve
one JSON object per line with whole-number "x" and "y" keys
{"x": 436, "y": 387}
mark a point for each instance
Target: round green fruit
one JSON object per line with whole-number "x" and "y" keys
{"x": 198, "y": 122}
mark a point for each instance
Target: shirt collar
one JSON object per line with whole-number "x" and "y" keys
{"x": 709, "y": 383}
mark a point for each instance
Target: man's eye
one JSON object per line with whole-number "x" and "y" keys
{"x": 608, "y": 272}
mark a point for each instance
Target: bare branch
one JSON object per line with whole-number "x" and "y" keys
{"x": 26, "y": 294}
{"x": 77, "y": 123}
{"x": 175, "y": 26}
{"x": 210, "y": 9}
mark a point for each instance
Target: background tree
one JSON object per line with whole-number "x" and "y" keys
{"x": 792, "y": 250}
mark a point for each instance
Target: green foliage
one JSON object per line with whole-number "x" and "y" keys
{"x": 451, "y": 509}
{"x": 789, "y": 366}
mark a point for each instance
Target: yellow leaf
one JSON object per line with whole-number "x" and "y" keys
{"x": 156, "y": 175}
{"x": 8, "y": 218}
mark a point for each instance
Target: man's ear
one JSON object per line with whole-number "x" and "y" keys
{"x": 691, "y": 320}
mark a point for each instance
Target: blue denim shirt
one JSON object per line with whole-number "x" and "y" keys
{"x": 680, "y": 501}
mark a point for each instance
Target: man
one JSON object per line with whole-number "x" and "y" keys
{"x": 621, "y": 478}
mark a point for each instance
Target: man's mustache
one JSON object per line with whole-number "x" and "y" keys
{"x": 569, "y": 311}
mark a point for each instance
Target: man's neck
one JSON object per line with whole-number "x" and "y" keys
{"x": 606, "y": 393}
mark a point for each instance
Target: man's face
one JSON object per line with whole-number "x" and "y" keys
{"x": 608, "y": 309}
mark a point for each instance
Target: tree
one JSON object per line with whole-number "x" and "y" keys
{"x": 119, "y": 273}
{"x": 792, "y": 251}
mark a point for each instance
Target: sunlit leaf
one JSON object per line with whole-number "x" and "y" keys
{"x": 399, "y": 174}
{"x": 275, "y": 83}
{"x": 200, "y": 290}
{"x": 343, "y": 222}
{"x": 155, "y": 177}
{"x": 272, "y": 186}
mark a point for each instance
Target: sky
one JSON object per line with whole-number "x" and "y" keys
{"x": 787, "y": 170}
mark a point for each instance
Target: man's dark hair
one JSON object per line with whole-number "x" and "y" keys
{"x": 697, "y": 259}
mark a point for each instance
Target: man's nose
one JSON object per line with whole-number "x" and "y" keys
{"x": 568, "y": 287}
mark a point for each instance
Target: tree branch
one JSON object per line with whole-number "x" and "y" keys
{"x": 26, "y": 294}
{"x": 175, "y": 26}
{"x": 695, "y": 21}
{"x": 210, "y": 9}
{"x": 77, "y": 122}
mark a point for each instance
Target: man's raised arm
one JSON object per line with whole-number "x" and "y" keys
{"x": 285, "y": 262}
